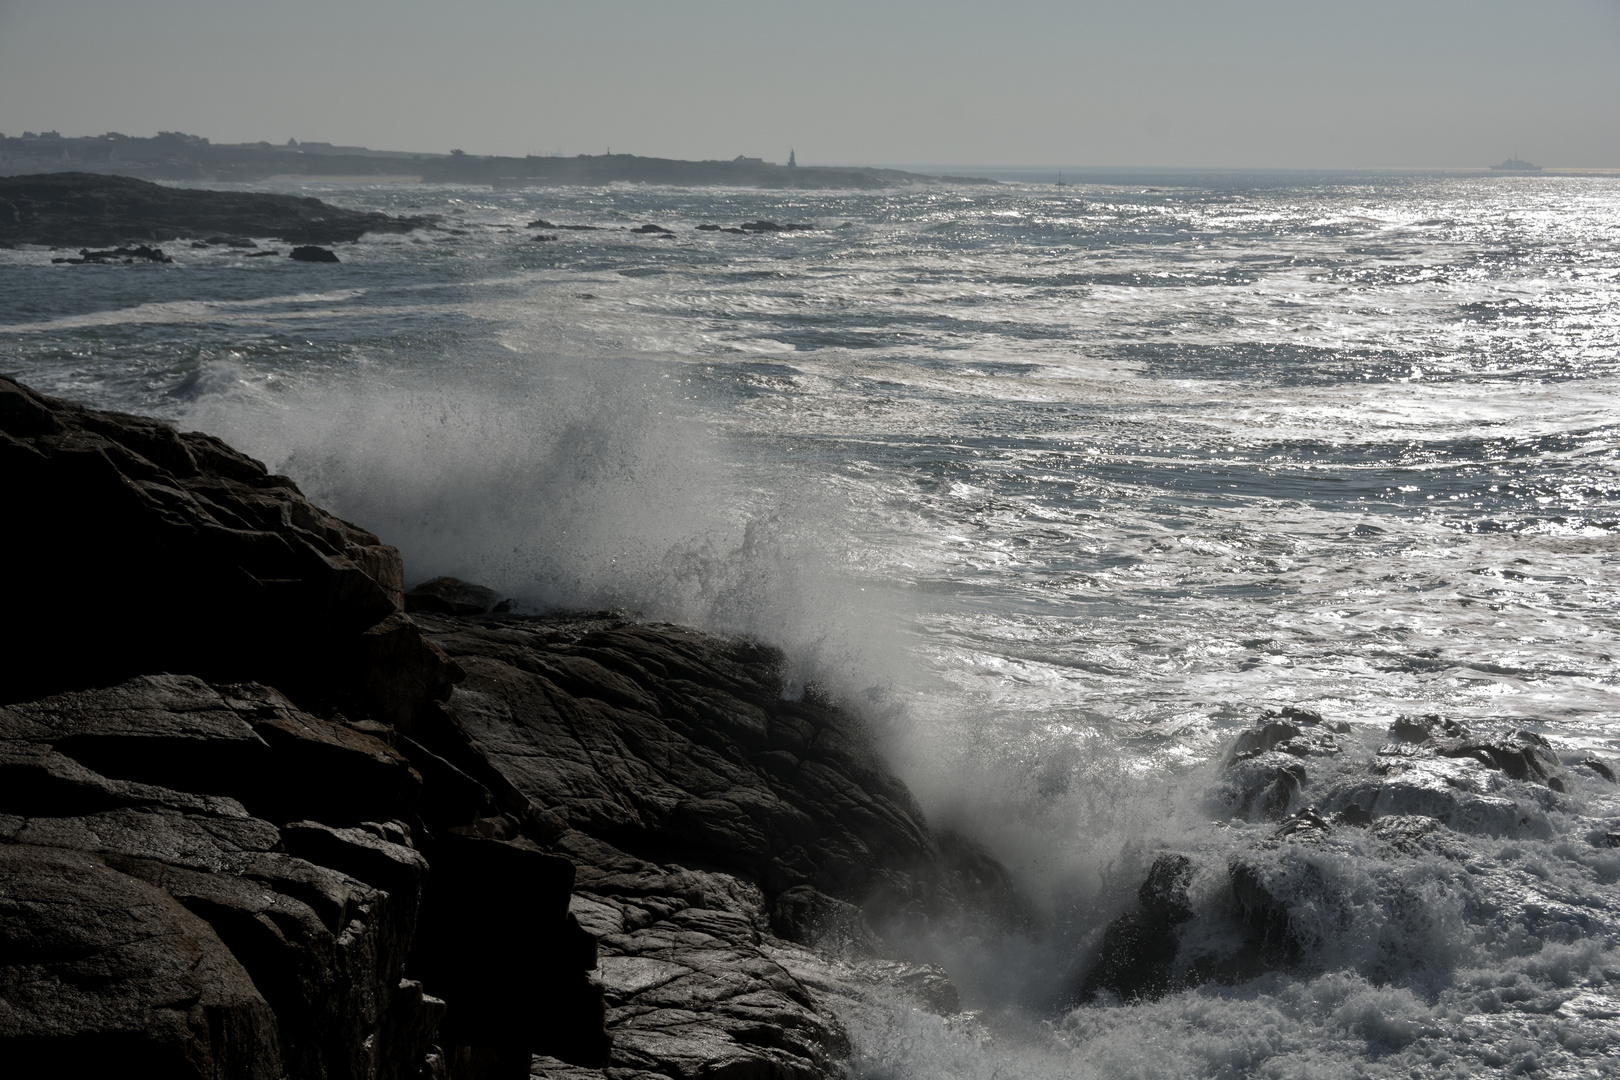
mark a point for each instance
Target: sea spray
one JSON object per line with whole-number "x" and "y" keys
{"x": 576, "y": 484}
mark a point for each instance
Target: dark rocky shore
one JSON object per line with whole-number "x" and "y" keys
{"x": 90, "y": 209}
{"x": 262, "y": 814}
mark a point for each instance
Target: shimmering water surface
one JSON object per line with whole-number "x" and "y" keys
{"x": 1063, "y": 485}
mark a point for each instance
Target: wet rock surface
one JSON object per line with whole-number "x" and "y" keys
{"x": 742, "y": 858}
{"x": 258, "y": 833}
{"x": 772, "y": 227}
{"x": 1138, "y": 951}
{"x": 668, "y": 743}
{"x": 74, "y": 209}
{"x": 1357, "y": 846}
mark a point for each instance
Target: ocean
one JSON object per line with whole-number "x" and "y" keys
{"x": 1063, "y": 488}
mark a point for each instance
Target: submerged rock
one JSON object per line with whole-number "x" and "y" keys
{"x": 771, "y": 227}
{"x": 124, "y": 255}
{"x": 1600, "y": 767}
{"x": 1306, "y": 825}
{"x": 1299, "y": 732}
{"x": 1270, "y": 940}
{"x": 1363, "y": 868}
{"x": 1521, "y": 754}
{"x": 1138, "y": 951}
{"x": 1492, "y": 784}
{"x": 1266, "y": 785}
{"x": 1265, "y": 772}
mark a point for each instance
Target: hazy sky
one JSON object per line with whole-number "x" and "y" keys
{"x": 1173, "y": 82}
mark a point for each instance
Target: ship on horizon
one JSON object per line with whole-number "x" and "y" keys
{"x": 1516, "y": 164}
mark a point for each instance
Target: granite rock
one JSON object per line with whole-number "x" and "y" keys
{"x": 221, "y": 569}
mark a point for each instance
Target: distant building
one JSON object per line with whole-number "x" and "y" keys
{"x": 793, "y": 161}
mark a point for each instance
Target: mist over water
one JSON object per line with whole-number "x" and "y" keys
{"x": 1062, "y": 487}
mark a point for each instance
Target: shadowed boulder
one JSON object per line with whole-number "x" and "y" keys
{"x": 216, "y": 568}
{"x": 451, "y": 596}
{"x": 101, "y": 970}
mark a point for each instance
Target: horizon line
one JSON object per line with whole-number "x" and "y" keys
{"x": 935, "y": 166}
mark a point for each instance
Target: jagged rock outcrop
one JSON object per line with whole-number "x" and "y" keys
{"x": 213, "y": 567}
{"x": 1306, "y": 798}
{"x": 678, "y": 745}
{"x": 168, "y": 905}
{"x": 91, "y": 209}
{"x": 267, "y": 832}
{"x": 248, "y": 829}
{"x": 715, "y": 824}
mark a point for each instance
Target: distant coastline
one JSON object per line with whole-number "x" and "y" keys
{"x": 174, "y": 156}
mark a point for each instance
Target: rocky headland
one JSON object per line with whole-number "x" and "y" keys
{"x": 264, "y": 814}
{"x": 76, "y": 209}
{"x": 174, "y": 155}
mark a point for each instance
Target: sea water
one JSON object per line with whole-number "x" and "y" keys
{"x": 1063, "y": 487}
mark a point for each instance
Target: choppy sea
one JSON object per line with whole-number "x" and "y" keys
{"x": 1064, "y": 487}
